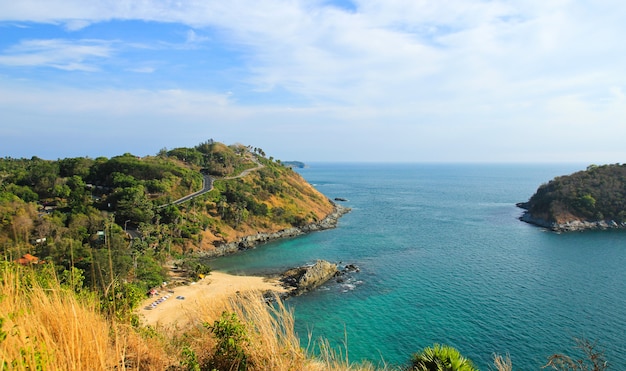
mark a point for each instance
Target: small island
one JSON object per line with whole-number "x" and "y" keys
{"x": 591, "y": 199}
{"x": 294, "y": 164}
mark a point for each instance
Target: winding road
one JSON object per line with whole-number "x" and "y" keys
{"x": 207, "y": 183}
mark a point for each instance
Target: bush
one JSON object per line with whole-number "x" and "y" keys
{"x": 231, "y": 337}
{"x": 440, "y": 358}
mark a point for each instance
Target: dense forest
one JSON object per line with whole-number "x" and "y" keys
{"x": 110, "y": 224}
{"x": 595, "y": 194}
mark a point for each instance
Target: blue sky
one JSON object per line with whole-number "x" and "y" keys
{"x": 393, "y": 80}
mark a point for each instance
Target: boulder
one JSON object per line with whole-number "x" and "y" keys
{"x": 303, "y": 279}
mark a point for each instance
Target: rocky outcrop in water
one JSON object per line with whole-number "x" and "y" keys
{"x": 303, "y": 279}
{"x": 249, "y": 242}
{"x": 572, "y": 225}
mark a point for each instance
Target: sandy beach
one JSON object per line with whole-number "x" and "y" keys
{"x": 183, "y": 301}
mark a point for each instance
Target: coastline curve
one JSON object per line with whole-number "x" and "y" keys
{"x": 252, "y": 241}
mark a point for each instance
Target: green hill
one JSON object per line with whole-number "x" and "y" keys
{"x": 74, "y": 211}
{"x": 591, "y": 199}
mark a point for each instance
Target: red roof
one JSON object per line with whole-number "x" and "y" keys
{"x": 28, "y": 259}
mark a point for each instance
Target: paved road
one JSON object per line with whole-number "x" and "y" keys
{"x": 248, "y": 171}
{"x": 207, "y": 183}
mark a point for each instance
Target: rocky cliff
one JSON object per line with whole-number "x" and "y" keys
{"x": 571, "y": 225}
{"x": 251, "y": 241}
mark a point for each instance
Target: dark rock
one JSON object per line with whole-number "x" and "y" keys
{"x": 303, "y": 279}
{"x": 570, "y": 226}
{"x": 352, "y": 268}
{"x": 249, "y": 242}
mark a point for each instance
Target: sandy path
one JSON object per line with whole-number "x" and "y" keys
{"x": 217, "y": 285}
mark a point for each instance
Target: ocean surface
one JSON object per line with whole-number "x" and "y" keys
{"x": 444, "y": 259}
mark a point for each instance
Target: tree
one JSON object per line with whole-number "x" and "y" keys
{"x": 133, "y": 204}
{"x": 23, "y": 192}
{"x": 78, "y": 197}
{"x": 42, "y": 175}
{"x": 75, "y": 166}
{"x": 148, "y": 270}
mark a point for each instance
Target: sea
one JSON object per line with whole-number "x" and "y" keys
{"x": 444, "y": 259}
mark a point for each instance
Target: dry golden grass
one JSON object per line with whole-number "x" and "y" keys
{"x": 46, "y": 327}
{"x": 502, "y": 363}
{"x": 49, "y": 328}
{"x": 336, "y": 359}
{"x": 272, "y": 341}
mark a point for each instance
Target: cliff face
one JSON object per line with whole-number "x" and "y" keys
{"x": 590, "y": 199}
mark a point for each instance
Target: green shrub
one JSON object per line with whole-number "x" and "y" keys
{"x": 440, "y": 358}
{"x": 231, "y": 338}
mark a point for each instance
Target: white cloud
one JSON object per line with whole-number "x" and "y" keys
{"x": 194, "y": 38}
{"x": 57, "y": 53}
{"x": 384, "y": 46}
{"x": 114, "y": 101}
{"x": 76, "y": 24}
{"x": 451, "y": 72}
{"x": 145, "y": 69}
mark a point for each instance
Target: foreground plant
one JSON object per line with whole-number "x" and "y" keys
{"x": 441, "y": 358}
{"x": 46, "y": 326}
{"x": 594, "y": 359}
{"x": 231, "y": 339}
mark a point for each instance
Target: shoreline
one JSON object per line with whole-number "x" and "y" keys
{"x": 572, "y": 225}
{"x": 174, "y": 307}
{"x": 182, "y": 303}
{"x": 251, "y": 241}
{"x": 177, "y": 306}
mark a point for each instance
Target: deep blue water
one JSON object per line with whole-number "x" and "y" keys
{"x": 444, "y": 259}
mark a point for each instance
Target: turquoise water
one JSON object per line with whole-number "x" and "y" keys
{"x": 444, "y": 259}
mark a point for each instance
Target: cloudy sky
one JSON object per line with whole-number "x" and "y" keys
{"x": 317, "y": 80}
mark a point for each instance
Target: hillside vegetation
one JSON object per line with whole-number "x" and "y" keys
{"x": 595, "y": 195}
{"x": 74, "y": 212}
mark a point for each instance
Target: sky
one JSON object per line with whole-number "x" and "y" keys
{"x": 317, "y": 80}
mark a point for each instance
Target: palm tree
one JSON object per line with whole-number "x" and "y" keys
{"x": 440, "y": 358}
